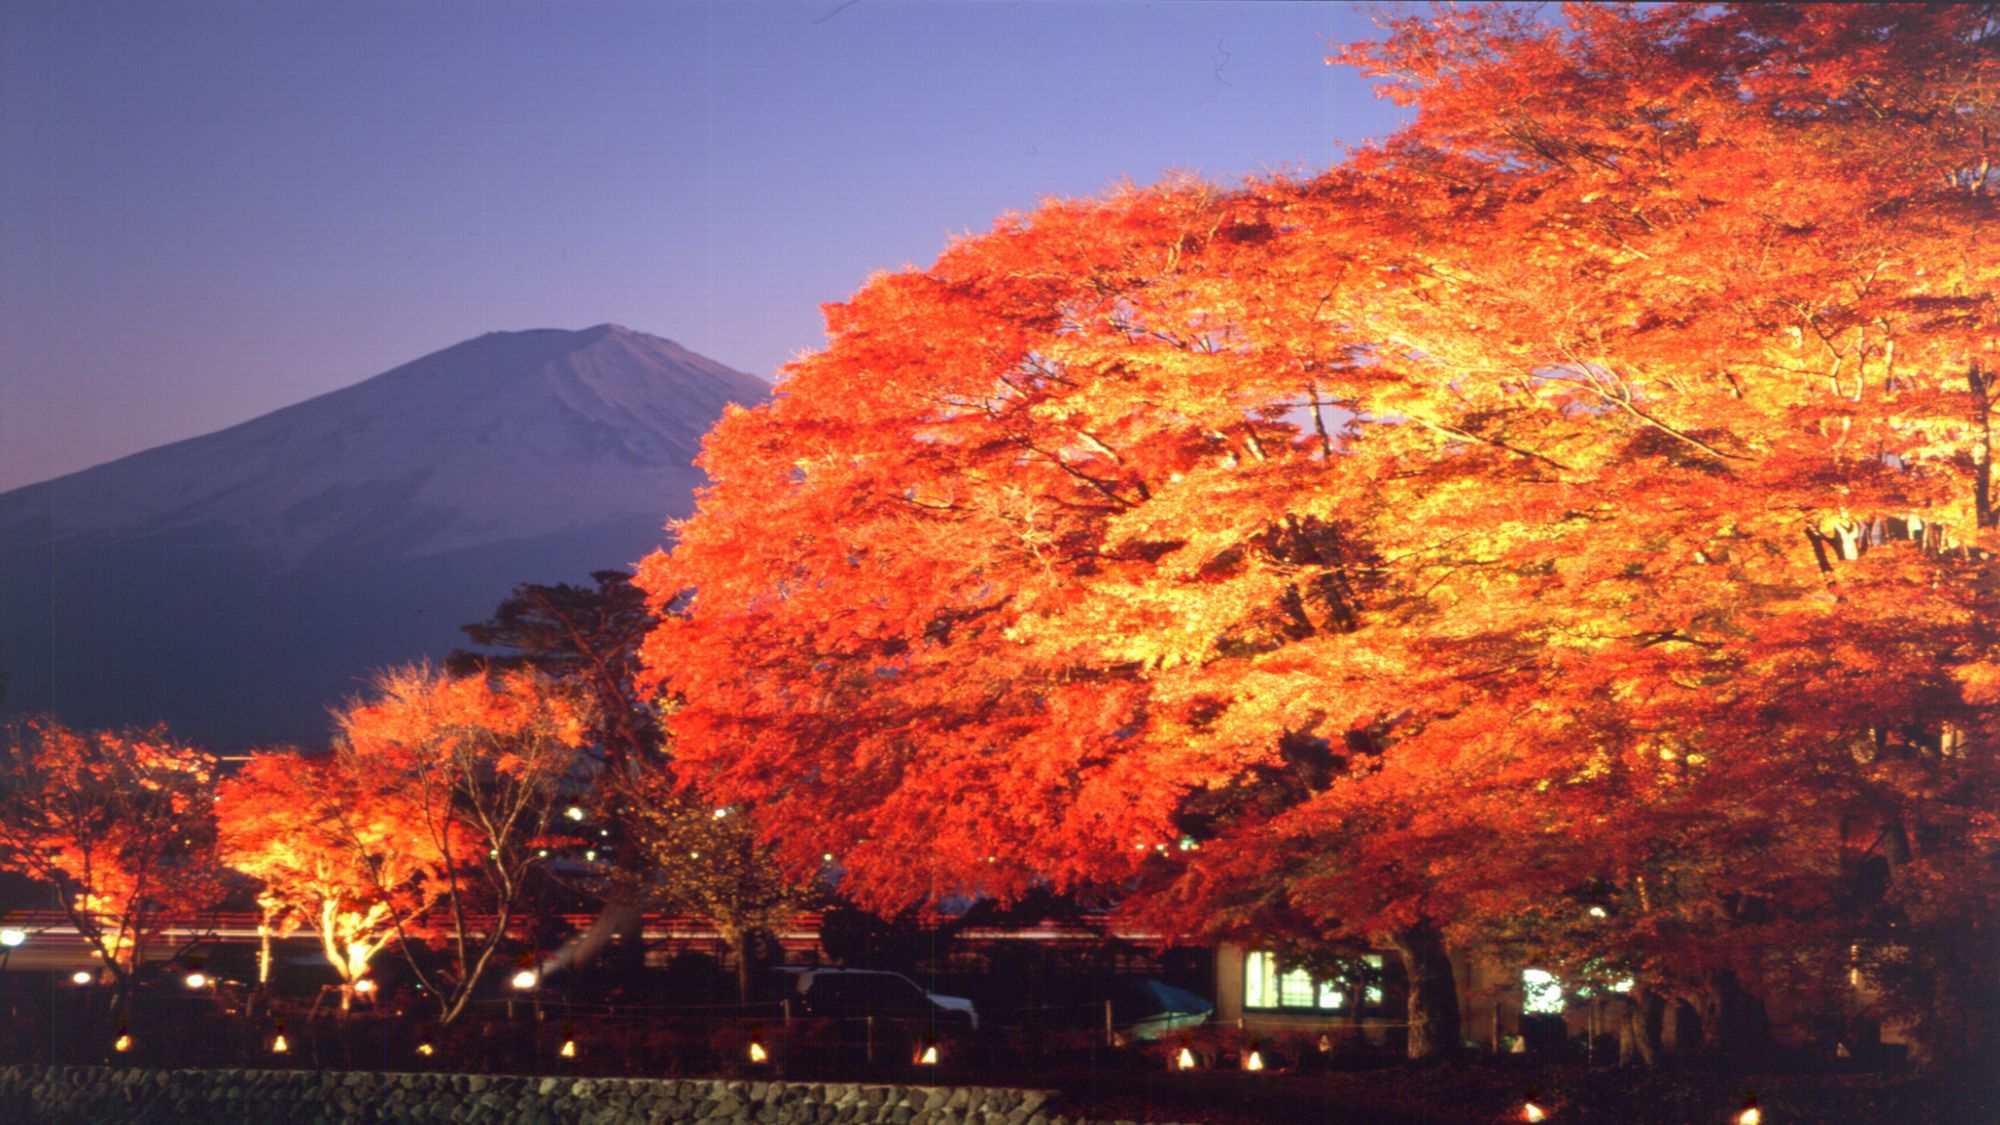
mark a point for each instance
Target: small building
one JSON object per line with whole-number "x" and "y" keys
{"x": 1257, "y": 994}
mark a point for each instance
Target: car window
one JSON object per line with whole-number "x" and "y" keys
{"x": 886, "y": 992}
{"x": 831, "y": 991}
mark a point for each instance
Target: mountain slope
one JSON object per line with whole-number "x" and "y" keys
{"x": 237, "y": 584}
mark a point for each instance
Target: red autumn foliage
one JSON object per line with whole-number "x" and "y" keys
{"x": 478, "y": 767}
{"x": 337, "y": 849}
{"x": 1581, "y": 499}
{"x": 120, "y": 826}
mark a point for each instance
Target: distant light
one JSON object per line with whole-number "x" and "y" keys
{"x": 1533, "y": 1112}
{"x": 542, "y": 853}
{"x": 929, "y": 1057}
{"x": 122, "y": 1043}
{"x": 426, "y": 1050}
{"x": 591, "y": 855}
{"x": 758, "y": 1053}
{"x": 568, "y": 1049}
{"x": 1541, "y": 993}
{"x": 1184, "y": 1060}
{"x": 826, "y": 857}
{"x": 526, "y": 978}
{"x": 694, "y": 855}
{"x": 197, "y": 980}
{"x": 1598, "y": 912}
{"x": 80, "y": 976}
{"x": 1254, "y": 1061}
{"x": 11, "y": 937}
{"x": 1749, "y": 1116}
{"x": 364, "y": 986}
{"x": 721, "y": 812}
{"x": 573, "y": 812}
{"x": 279, "y": 1046}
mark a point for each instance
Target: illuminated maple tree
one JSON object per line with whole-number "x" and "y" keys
{"x": 333, "y": 849}
{"x": 1582, "y": 498}
{"x": 119, "y": 825}
{"x": 480, "y": 767}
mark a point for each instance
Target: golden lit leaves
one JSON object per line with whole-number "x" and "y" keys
{"x": 1583, "y": 489}
{"x": 119, "y": 824}
{"x": 335, "y": 844}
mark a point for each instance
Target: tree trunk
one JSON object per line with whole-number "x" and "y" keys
{"x": 1433, "y": 1002}
{"x": 1639, "y": 1033}
{"x": 740, "y": 942}
{"x": 1733, "y": 1024}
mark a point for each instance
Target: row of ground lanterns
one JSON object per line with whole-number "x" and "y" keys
{"x": 527, "y": 979}
{"x": 1183, "y": 1060}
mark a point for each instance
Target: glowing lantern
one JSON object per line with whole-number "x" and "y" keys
{"x": 1184, "y": 1060}
{"x": 279, "y": 1046}
{"x": 757, "y": 1052}
{"x": 122, "y": 1044}
{"x": 928, "y": 1056}
{"x": 425, "y": 1050}
{"x": 81, "y": 976}
{"x": 1533, "y": 1112}
{"x": 526, "y": 979}
{"x": 1253, "y": 1061}
{"x": 568, "y": 1049}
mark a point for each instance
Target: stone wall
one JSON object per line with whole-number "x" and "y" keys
{"x": 33, "y": 1094}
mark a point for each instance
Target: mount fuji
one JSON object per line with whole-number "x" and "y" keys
{"x": 238, "y": 585}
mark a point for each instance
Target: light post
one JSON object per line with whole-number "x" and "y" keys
{"x": 527, "y": 980}
{"x": 9, "y": 938}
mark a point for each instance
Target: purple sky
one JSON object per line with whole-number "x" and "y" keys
{"x": 208, "y": 211}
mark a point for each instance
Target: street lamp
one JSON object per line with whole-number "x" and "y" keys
{"x": 9, "y": 938}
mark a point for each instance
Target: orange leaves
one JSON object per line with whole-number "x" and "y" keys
{"x": 1580, "y": 490}
{"x": 118, "y": 824}
{"x": 417, "y": 705}
{"x": 335, "y": 845}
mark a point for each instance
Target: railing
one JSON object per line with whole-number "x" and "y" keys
{"x": 801, "y": 929}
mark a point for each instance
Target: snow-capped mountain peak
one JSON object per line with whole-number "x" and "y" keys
{"x": 238, "y": 583}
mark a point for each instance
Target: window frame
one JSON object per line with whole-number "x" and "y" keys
{"x": 1372, "y": 996}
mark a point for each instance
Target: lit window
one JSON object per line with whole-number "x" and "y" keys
{"x": 1295, "y": 990}
{"x": 1266, "y": 988}
{"x": 1541, "y": 993}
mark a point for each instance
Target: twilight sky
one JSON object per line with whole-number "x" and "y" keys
{"x": 211, "y": 210}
